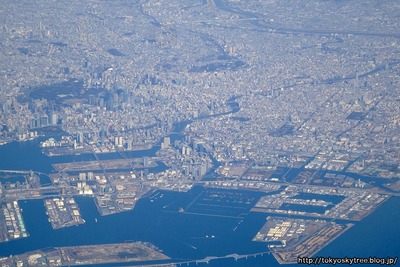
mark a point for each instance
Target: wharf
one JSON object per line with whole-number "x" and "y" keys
{"x": 310, "y": 246}
{"x": 11, "y": 222}
{"x": 129, "y": 163}
{"x": 63, "y": 212}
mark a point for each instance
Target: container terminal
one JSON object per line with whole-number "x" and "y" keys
{"x": 116, "y": 191}
{"x": 297, "y": 237}
{"x": 11, "y": 222}
{"x": 62, "y": 212}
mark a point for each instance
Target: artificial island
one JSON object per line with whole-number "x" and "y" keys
{"x": 133, "y": 98}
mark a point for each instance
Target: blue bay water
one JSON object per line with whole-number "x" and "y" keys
{"x": 156, "y": 219}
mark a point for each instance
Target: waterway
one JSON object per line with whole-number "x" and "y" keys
{"x": 217, "y": 222}
{"x": 262, "y": 24}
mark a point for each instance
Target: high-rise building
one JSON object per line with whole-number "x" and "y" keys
{"x": 167, "y": 141}
{"x": 90, "y": 176}
{"x": 82, "y": 176}
{"x": 93, "y": 100}
{"x": 145, "y": 161}
{"x": 119, "y": 141}
{"x": 32, "y": 123}
{"x": 102, "y": 134}
{"x": 203, "y": 169}
{"x": 194, "y": 145}
{"x": 53, "y": 118}
{"x": 79, "y": 138}
{"x": 44, "y": 120}
{"x": 129, "y": 144}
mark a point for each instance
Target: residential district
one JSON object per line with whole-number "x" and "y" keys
{"x": 299, "y": 102}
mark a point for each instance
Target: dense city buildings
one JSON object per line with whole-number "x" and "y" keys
{"x": 305, "y": 88}
{"x": 281, "y": 98}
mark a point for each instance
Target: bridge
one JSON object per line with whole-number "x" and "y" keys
{"x": 205, "y": 260}
{"x": 15, "y": 172}
{"x": 24, "y": 172}
{"x": 234, "y": 256}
